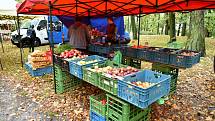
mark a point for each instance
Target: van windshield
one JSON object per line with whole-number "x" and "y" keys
{"x": 26, "y": 24}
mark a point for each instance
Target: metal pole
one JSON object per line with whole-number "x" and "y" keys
{"x": 52, "y": 42}
{"x": 19, "y": 39}
{"x": 139, "y": 27}
{"x": 139, "y": 31}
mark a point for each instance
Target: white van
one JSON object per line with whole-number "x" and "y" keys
{"x": 40, "y": 27}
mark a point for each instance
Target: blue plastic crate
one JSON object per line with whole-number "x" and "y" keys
{"x": 38, "y": 72}
{"x": 130, "y": 52}
{"x": 96, "y": 117}
{"x": 142, "y": 53}
{"x": 163, "y": 55}
{"x": 151, "y": 53}
{"x": 77, "y": 69}
{"x": 143, "y": 97}
{"x": 103, "y": 49}
{"x": 184, "y": 61}
{"x": 91, "y": 48}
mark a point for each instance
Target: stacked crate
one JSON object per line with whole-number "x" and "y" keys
{"x": 173, "y": 72}
{"x": 65, "y": 81}
{"x": 110, "y": 108}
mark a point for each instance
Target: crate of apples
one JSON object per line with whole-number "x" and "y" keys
{"x": 72, "y": 53}
{"x": 123, "y": 71}
{"x": 188, "y": 53}
{"x": 142, "y": 84}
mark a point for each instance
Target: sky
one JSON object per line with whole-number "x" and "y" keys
{"x": 8, "y": 4}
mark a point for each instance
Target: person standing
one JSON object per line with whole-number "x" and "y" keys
{"x": 111, "y": 31}
{"x": 78, "y": 35}
{"x": 32, "y": 35}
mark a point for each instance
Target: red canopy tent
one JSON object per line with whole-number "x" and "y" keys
{"x": 111, "y": 7}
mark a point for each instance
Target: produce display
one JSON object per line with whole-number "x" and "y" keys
{"x": 39, "y": 59}
{"x": 73, "y": 53}
{"x": 95, "y": 32}
{"x": 62, "y": 48}
{"x": 188, "y": 53}
{"x": 142, "y": 84}
{"x": 83, "y": 62}
{"x": 123, "y": 71}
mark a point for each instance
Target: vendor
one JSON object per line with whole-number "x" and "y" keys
{"x": 111, "y": 31}
{"x": 79, "y": 35}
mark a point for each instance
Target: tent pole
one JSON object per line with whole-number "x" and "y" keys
{"x": 19, "y": 39}
{"x": 52, "y": 42}
{"x": 139, "y": 26}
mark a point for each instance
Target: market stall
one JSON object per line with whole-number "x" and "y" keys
{"x": 130, "y": 91}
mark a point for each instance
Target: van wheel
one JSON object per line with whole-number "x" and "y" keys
{"x": 37, "y": 43}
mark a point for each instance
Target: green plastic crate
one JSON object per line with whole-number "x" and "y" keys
{"x": 103, "y": 82}
{"x": 110, "y": 85}
{"x": 96, "y": 104}
{"x": 65, "y": 81}
{"x": 136, "y": 63}
{"x": 119, "y": 110}
{"x": 91, "y": 77}
{"x": 165, "y": 69}
{"x": 65, "y": 85}
{"x": 126, "y": 60}
{"x": 173, "y": 86}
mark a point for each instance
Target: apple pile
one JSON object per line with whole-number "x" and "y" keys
{"x": 72, "y": 53}
{"x": 188, "y": 53}
{"x": 142, "y": 84}
{"x": 95, "y": 32}
{"x": 123, "y": 71}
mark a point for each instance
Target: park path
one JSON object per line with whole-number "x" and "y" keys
{"x": 14, "y": 107}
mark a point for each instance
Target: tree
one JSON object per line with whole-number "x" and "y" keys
{"x": 133, "y": 27}
{"x": 196, "y": 41}
{"x": 172, "y": 30}
{"x": 183, "y": 31}
{"x": 166, "y": 25}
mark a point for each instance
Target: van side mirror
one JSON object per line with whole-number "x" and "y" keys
{"x": 38, "y": 28}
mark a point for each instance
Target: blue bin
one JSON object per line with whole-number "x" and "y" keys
{"x": 184, "y": 61}
{"x": 96, "y": 117}
{"x": 76, "y": 69}
{"x": 143, "y": 97}
{"x": 151, "y": 53}
{"x": 39, "y": 71}
{"x": 163, "y": 55}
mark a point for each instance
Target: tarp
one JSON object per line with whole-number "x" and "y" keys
{"x": 99, "y": 23}
{"x": 100, "y": 8}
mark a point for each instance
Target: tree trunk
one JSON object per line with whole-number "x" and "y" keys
{"x": 162, "y": 29}
{"x": 196, "y": 41}
{"x": 166, "y": 25}
{"x": 183, "y": 32}
{"x": 190, "y": 26}
{"x": 179, "y": 30}
{"x": 172, "y": 31}
{"x": 134, "y": 28}
{"x": 158, "y": 27}
{"x": 128, "y": 26}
